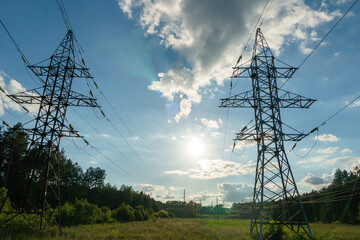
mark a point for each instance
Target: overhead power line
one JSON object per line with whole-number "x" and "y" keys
{"x": 326, "y": 121}
{"x": 326, "y": 35}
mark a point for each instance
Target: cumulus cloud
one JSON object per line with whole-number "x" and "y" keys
{"x": 354, "y": 104}
{"x": 209, "y": 35}
{"x": 345, "y": 160}
{"x": 150, "y": 189}
{"x": 346, "y": 150}
{"x": 327, "y": 138}
{"x": 10, "y": 86}
{"x": 317, "y": 182}
{"x": 211, "y": 169}
{"x": 209, "y": 123}
{"x": 236, "y": 192}
{"x": 329, "y": 150}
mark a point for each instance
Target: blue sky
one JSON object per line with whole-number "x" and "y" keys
{"x": 164, "y": 65}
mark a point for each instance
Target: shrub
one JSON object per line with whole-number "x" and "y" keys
{"x": 124, "y": 213}
{"x": 105, "y": 215}
{"x": 86, "y": 213}
{"x": 141, "y": 214}
{"x": 17, "y": 223}
{"x": 274, "y": 230}
{"x": 67, "y": 214}
{"x": 164, "y": 214}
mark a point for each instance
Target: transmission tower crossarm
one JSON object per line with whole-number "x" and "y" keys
{"x": 280, "y": 72}
{"x": 251, "y": 135}
{"x": 77, "y": 72}
{"x": 27, "y": 97}
{"x": 79, "y": 100}
{"x": 34, "y": 97}
{"x": 242, "y": 100}
{"x": 286, "y": 99}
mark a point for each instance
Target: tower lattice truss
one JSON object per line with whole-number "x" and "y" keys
{"x": 39, "y": 200}
{"x": 276, "y": 200}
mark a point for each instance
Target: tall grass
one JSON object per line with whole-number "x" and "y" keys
{"x": 180, "y": 229}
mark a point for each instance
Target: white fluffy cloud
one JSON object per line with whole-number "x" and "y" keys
{"x": 354, "y": 104}
{"x": 152, "y": 190}
{"x": 346, "y": 150}
{"x": 209, "y": 123}
{"x": 211, "y": 169}
{"x": 236, "y": 192}
{"x": 209, "y": 36}
{"x": 10, "y": 86}
{"x": 329, "y": 150}
{"x": 328, "y": 138}
{"x": 317, "y": 182}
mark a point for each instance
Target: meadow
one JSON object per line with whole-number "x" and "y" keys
{"x": 178, "y": 228}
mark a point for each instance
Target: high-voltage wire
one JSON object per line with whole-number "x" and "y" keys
{"x": 68, "y": 25}
{"x": 238, "y": 61}
{"x": 326, "y": 35}
{"x": 111, "y": 144}
{"x": 123, "y": 122}
{"x": 326, "y": 121}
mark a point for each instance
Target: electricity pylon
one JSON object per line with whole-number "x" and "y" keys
{"x": 276, "y": 199}
{"x": 53, "y": 99}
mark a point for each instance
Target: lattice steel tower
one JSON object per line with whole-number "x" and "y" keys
{"x": 53, "y": 98}
{"x": 276, "y": 199}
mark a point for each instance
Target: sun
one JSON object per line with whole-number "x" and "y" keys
{"x": 196, "y": 147}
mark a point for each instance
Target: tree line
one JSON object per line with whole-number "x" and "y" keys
{"x": 337, "y": 203}
{"x": 85, "y": 198}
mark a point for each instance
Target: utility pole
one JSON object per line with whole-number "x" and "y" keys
{"x": 184, "y": 197}
{"x": 217, "y": 208}
{"x": 53, "y": 99}
{"x": 274, "y": 180}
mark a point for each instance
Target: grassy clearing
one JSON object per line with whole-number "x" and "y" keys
{"x": 182, "y": 229}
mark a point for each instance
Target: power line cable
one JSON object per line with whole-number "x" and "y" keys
{"x": 327, "y": 120}
{"x": 326, "y": 35}
{"x": 238, "y": 61}
{"x": 117, "y": 149}
{"x": 68, "y": 25}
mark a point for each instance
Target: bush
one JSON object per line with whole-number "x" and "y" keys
{"x": 83, "y": 213}
{"x": 18, "y": 223}
{"x": 141, "y": 214}
{"x": 105, "y": 215}
{"x": 164, "y": 214}
{"x": 124, "y": 213}
{"x": 86, "y": 213}
{"x": 67, "y": 214}
{"x": 274, "y": 230}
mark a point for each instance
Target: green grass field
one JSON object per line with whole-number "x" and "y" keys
{"x": 182, "y": 229}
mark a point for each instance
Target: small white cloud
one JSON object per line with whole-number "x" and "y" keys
{"x": 346, "y": 150}
{"x": 345, "y": 160}
{"x": 329, "y": 150}
{"x": 177, "y": 172}
{"x": 11, "y": 86}
{"x": 209, "y": 123}
{"x": 327, "y": 138}
{"x": 354, "y": 104}
{"x": 339, "y": 2}
{"x": 211, "y": 169}
{"x": 185, "y": 109}
{"x": 317, "y": 182}
{"x": 305, "y": 149}
{"x": 235, "y": 192}
{"x": 105, "y": 135}
{"x": 93, "y": 162}
{"x": 150, "y": 189}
